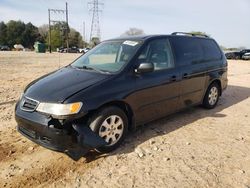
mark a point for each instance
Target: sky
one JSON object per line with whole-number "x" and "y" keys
{"x": 227, "y": 21}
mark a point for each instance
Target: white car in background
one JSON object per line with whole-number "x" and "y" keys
{"x": 246, "y": 56}
{"x": 84, "y": 50}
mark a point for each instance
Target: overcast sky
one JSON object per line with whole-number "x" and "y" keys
{"x": 225, "y": 20}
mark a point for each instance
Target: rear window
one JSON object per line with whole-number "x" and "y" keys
{"x": 194, "y": 50}
{"x": 210, "y": 49}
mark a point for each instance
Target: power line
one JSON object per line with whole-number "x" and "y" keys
{"x": 59, "y": 11}
{"x": 95, "y": 25}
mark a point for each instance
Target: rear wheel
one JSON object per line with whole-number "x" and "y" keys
{"x": 212, "y": 96}
{"x": 111, "y": 124}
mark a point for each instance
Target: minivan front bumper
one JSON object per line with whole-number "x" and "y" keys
{"x": 74, "y": 139}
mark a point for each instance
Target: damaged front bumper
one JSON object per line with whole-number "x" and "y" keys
{"x": 74, "y": 139}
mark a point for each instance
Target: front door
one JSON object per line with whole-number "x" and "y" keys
{"x": 157, "y": 92}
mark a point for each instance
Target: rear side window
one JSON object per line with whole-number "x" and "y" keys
{"x": 190, "y": 50}
{"x": 187, "y": 50}
{"x": 210, "y": 49}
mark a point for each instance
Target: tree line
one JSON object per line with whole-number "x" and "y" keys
{"x": 17, "y": 32}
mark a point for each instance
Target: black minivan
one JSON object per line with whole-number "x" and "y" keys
{"x": 118, "y": 85}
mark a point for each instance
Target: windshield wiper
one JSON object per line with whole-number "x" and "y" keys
{"x": 86, "y": 67}
{"x": 92, "y": 68}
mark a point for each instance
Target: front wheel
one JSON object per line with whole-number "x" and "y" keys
{"x": 212, "y": 96}
{"x": 111, "y": 124}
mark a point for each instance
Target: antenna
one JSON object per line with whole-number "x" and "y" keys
{"x": 95, "y": 25}
{"x": 83, "y": 31}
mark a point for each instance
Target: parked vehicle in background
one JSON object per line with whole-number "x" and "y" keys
{"x": 18, "y": 47}
{"x": 232, "y": 55}
{"x": 243, "y": 52}
{"x": 236, "y": 54}
{"x": 60, "y": 50}
{"x": 84, "y": 50}
{"x": 246, "y": 56}
{"x": 73, "y": 49}
{"x": 4, "y": 48}
{"x": 70, "y": 50}
{"x": 118, "y": 85}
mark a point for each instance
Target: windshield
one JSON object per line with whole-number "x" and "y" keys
{"x": 110, "y": 56}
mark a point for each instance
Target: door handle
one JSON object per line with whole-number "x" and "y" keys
{"x": 173, "y": 78}
{"x": 185, "y": 75}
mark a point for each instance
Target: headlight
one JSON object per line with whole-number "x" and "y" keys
{"x": 59, "y": 109}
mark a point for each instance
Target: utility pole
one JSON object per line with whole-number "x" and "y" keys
{"x": 49, "y": 33}
{"x": 95, "y": 25}
{"x": 59, "y": 11}
{"x": 67, "y": 29}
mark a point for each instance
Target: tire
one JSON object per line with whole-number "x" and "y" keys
{"x": 212, "y": 96}
{"x": 109, "y": 123}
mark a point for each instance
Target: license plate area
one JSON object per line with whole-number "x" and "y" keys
{"x": 29, "y": 133}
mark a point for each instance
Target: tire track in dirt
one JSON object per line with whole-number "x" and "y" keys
{"x": 52, "y": 171}
{"x": 22, "y": 166}
{"x": 40, "y": 167}
{"x": 17, "y": 149}
{"x": 5, "y": 152}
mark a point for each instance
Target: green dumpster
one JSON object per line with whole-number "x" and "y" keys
{"x": 39, "y": 47}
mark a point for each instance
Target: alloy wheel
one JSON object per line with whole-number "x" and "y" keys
{"x": 213, "y": 95}
{"x": 112, "y": 129}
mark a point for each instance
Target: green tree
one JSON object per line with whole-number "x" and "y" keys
{"x": 55, "y": 39}
{"x": 133, "y": 31}
{"x": 43, "y": 31}
{"x": 20, "y": 33}
{"x": 75, "y": 38}
{"x": 14, "y": 32}
{"x": 3, "y": 34}
{"x": 58, "y": 35}
{"x": 94, "y": 41}
{"x": 30, "y": 35}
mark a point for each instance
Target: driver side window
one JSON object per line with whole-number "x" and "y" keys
{"x": 159, "y": 53}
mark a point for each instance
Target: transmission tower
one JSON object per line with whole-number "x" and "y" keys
{"x": 95, "y": 25}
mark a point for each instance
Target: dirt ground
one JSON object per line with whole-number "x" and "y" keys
{"x": 193, "y": 148}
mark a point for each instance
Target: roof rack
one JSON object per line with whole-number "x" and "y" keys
{"x": 191, "y": 34}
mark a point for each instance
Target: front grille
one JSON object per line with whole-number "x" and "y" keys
{"x": 28, "y": 104}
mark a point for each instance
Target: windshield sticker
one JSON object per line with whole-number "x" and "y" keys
{"x": 130, "y": 43}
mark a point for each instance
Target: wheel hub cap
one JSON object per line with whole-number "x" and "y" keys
{"x": 213, "y": 95}
{"x": 111, "y": 129}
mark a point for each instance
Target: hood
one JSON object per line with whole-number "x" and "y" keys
{"x": 59, "y": 85}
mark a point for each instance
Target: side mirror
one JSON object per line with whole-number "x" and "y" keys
{"x": 144, "y": 68}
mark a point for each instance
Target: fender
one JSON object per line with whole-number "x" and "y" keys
{"x": 87, "y": 138}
